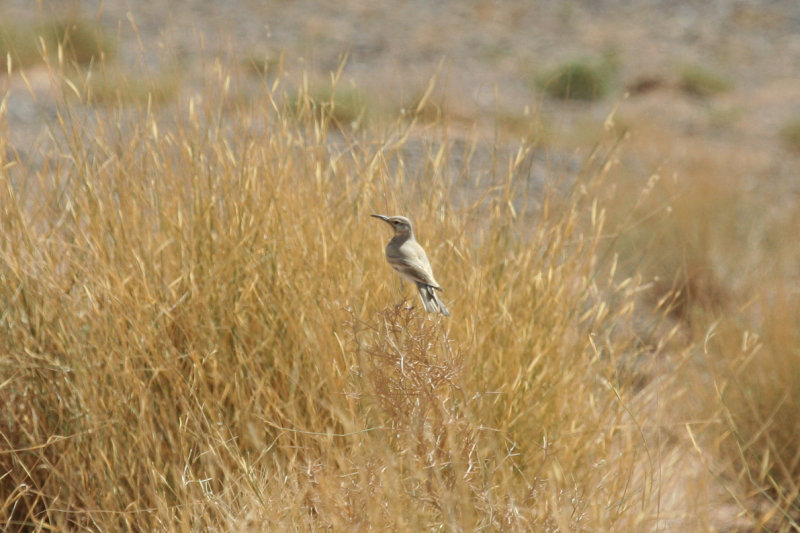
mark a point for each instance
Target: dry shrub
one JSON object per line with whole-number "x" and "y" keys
{"x": 755, "y": 397}
{"x": 680, "y": 235}
{"x": 722, "y": 260}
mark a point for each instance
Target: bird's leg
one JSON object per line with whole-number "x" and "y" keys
{"x": 401, "y": 291}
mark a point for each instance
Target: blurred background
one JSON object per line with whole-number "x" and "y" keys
{"x": 723, "y": 73}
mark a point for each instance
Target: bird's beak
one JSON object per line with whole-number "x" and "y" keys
{"x": 382, "y": 217}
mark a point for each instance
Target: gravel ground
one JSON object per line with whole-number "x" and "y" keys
{"x": 489, "y": 51}
{"x": 486, "y": 53}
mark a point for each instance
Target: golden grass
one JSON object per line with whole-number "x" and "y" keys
{"x": 201, "y": 333}
{"x": 724, "y": 262}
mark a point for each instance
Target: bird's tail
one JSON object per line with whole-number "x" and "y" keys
{"x": 430, "y": 300}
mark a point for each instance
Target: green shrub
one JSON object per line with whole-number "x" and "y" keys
{"x": 81, "y": 41}
{"x": 790, "y": 134}
{"x": 114, "y": 86}
{"x": 578, "y": 80}
{"x": 700, "y": 81}
{"x": 20, "y": 44}
{"x": 343, "y": 106}
{"x": 263, "y": 64}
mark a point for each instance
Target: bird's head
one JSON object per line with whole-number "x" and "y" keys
{"x": 401, "y": 225}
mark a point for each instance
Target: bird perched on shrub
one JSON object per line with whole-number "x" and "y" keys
{"x": 407, "y": 257}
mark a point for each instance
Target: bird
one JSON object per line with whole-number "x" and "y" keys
{"x": 408, "y": 258}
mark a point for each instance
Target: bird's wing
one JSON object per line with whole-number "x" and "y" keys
{"x": 410, "y": 261}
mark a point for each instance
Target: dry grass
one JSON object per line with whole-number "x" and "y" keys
{"x": 725, "y": 265}
{"x": 200, "y": 333}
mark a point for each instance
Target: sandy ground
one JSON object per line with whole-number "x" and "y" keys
{"x": 488, "y": 52}
{"x": 486, "y": 55}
